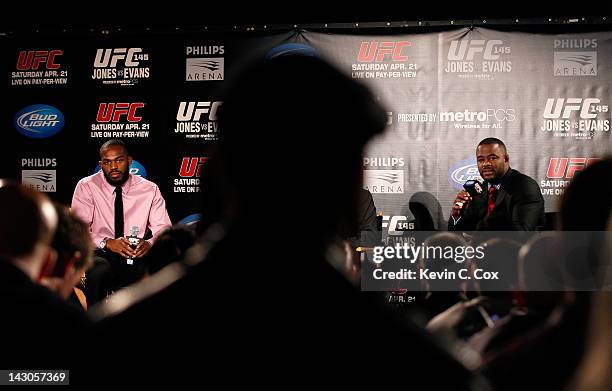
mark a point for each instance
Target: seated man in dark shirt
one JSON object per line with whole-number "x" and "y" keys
{"x": 507, "y": 201}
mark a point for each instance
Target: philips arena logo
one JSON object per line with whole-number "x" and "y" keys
{"x": 39, "y": 121}
{"x": 384, "y": 181}
{"x": 463, "y": 171}
{"x": 39, "y": 173}
{"x": 203, "y": 63}
{"x": 576, "y": 58}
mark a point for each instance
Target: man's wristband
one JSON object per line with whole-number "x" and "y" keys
{"x": 103, "y": 244}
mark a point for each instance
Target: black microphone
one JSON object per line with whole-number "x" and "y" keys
{"x": 474, "y": 187}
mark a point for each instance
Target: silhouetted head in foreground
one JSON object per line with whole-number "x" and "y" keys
{"x": 292, "y": 133}
{"x": 27, "y": 224}
{"x": 587, "y": 201}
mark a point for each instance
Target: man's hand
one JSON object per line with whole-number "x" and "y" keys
{"x": 142, "y": 248}
{"x": 450, "y": 318}
{"x": 121, "y": 246}
{"x": 462, "y": 201}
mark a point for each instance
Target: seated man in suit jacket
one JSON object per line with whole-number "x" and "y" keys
{"x": 510, "y": 200}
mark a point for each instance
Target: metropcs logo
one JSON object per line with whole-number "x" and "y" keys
{"x": 189, "y": 174}
{"x": 39, "y": 121}
{"x": 383, "y": 60}
{"x": 205, "y": 68}
{"x": 575, "y": 117}
{"x": 41, "y": 179}
{"x": 30, "y": 64}
{"x": 479, "y": 119}
{"x": 463, "y": 171}
{"x": 560, "y": 172}
{"x": 478, "y": 58}
{"x": 582, "y": 61}
{"x": 118, "y": 120}
{"x": 198, "y": 120}
{"x": 120, "y": 66}
{"x": 487, "y": 118}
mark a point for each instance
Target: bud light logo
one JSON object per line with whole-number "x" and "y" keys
{"x": 191, "y": 219}
{"x": 39, "y": 121}
{"x": 135, "y": 169}
{"x": 292, "y": 49}
{"x": 462, "y": 172}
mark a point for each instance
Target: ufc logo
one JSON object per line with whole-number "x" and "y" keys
{"x": 376, "y": 51}
{"x": 112, "y": 112}
{"x": 466, "y": 49}
{"x": 566, "y": 167}
{"x": 192, "y": 111}
{"x": 31, "y": 59}
{"x": 109, "y": 57}
{"x": 397, "y": 224}
{"x": 562, "y": 108}
{"x": 192, "y": 166}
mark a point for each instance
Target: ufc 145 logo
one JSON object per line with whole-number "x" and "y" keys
{"x": 193, "y": 111}
{"x": 120, "y": 66}
{"x": 575, "y": 117}
{"x": 110, "y": 58}
{"x": 198, "y": 119}
{"x": 462, "y": 56}
{"x": 397, "y": 225}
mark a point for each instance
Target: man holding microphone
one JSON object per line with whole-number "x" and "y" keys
{"x": 507, "y": 200}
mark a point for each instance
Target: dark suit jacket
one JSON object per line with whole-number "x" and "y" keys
{"x": 519, "y": 206}
{"x": 367, "y": 234}
{"x": 39, "y": 330}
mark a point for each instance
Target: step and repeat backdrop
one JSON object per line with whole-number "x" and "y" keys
{"x": 546, "y": 96}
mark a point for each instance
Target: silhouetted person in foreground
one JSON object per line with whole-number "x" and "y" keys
{"x": 549, "y": 355}
{"x": 72, "y": 243}
{"x": 39, "y": 330}
{"x": 170, "y": 246}
{"x": 257, "y": 295}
